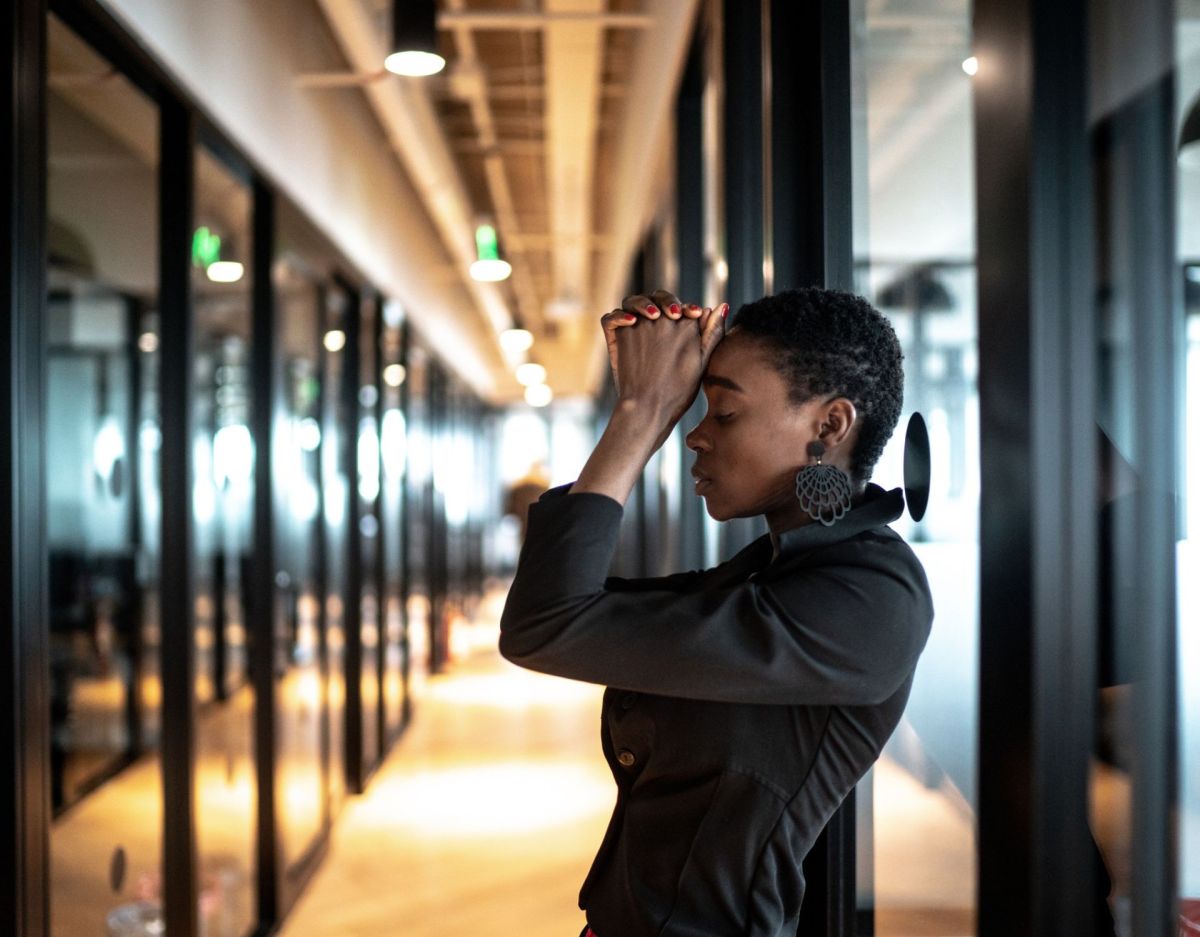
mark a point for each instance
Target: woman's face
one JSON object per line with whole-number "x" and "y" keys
{"x": 753, "y": 438}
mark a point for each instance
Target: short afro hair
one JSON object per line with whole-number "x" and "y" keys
{"x": 832, "y": 342}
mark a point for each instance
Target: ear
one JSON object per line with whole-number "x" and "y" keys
{"x": 838, "y": 421}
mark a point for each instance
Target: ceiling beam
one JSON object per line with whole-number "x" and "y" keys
{"x": 653, "y": 79}
{"x": 411, "y": 123}
{"x": 573, "y": 50}
{"x": 493, "y": 167}
{"x": 457, "y": 18}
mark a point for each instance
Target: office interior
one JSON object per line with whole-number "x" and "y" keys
{"x": 265, "y": 412}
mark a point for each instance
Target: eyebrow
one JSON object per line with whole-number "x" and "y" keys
{"x": 715, "y": 380}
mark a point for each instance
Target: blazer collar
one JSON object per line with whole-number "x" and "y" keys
{"x": 876, "y": 508}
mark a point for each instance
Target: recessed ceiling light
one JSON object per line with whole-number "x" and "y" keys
{"x": 225, "y": 271}
{"x": 538, "y": 395}
{"x": 530, "y": 374}
{"x": 515, "y": 341}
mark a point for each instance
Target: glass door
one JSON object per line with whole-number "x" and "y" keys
{"x": 914, "y": 258}
{"x": 103, "y": 495}
{"x": 302, "y": 689}
{"x": 223, "y": 457}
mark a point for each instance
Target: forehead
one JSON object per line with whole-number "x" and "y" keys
{"x": 744, "y": 359}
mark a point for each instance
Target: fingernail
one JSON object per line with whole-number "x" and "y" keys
{"x": 629, "y": 317}
{"x": 675, "y": 310}
{"x": 651, "y": 310}
{"x": 724, "y": 310}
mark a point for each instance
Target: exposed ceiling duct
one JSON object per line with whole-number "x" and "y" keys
{"x": 404, "y": 109}
{"x": 536, "y": 104}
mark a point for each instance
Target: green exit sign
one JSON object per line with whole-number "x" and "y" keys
{"x": 206, "y": 247}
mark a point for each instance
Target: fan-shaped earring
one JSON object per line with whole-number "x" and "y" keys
{"x": 823, "y": 490}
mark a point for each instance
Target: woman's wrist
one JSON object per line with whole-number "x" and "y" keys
{"x": 635, "y": 429}
{"x": 646, "y": 410}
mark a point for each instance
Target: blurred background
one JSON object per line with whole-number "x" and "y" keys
{"x": 303, "y": 315}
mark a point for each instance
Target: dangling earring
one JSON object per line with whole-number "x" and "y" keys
{"x": 823, "y": 490}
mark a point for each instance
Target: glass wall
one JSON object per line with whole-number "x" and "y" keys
{"x": 1187, "y": 52}
{"x": 366, "y": 516}
{"x": 102, "y": 493}
{"x": 302, "y": 684}
{"x": 418, "y": 507}
{"x": 337, "y": 435}
{"x": 393, "y": 442}
{"x": 223, "y": 512}
{"x": 914, "y": 253}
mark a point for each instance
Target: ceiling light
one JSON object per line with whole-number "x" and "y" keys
{"x": 490, "y": 271}
{"x": 971, "y": 65}
{"x": 394, "y": 374}
{"x": 148, "y": 343}
{"x": 530, "y": 374}
{"x": 1189, "y": 137}
{"x": 490, "y": 267}
{"x": 225, "y": 271}
{"x": 414, "y": 39}
{"x": 538, "y": 395}
{"x": 515, "y": 341}
{"x": 335, "y": 340}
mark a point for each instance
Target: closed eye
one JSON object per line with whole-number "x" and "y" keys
{"x": 723, "y": 417}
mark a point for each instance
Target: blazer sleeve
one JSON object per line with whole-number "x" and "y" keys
{"x": 846, "y": 632}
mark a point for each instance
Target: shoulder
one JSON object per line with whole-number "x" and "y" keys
{"x": 873, "y": 576}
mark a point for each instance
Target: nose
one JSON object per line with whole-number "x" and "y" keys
{"x": 696, "y": 440}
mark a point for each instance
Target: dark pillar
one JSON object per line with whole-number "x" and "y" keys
{"x": 24, "y": 673}
{"x": 178, "y": 589}
{"x": 261, "y": 587}
{"x": 1037, "y": 523}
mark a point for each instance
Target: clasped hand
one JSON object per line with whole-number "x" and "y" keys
{"x": 658, "y": 349}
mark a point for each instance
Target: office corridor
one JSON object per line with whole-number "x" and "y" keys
{"x": 485, "y": 816}
{"x": 482, "y": 820}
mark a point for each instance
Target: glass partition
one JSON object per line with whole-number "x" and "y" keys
{"x": 337, "y": 428}
{"x": 366, "y": 500}
{"x": 223, "y": 513}
{"x": 301, "y": 685}
{"x": 1187, "y": 51}
{"x": 103, "y": 494}
{"x": 418, "y": 511}
{"x": 393, "y": 442}
{"x": 914, "y": 250}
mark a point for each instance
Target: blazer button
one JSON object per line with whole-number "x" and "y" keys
{"x": 626, "y": 758}
{"x": 627, "y": 700}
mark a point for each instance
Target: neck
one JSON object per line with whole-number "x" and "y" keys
{"x": 792, "y": 516}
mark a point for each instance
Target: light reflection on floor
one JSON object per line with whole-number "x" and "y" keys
{"x": 483, "y": 820}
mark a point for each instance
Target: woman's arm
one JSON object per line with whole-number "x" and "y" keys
{"x": 847, "y": 631}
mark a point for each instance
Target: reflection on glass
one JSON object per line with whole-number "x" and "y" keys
{"x": 102, "y": 431}
{"x": 223, "y": 512}
{"x": 336, "y": 495}
{"x": 393, "y": 442}
{"x": 1187, "y": 51}
{"x": 915, "y": 260}
{"x": 419, "y": 481}
{"x": 367, "y": 518}
{"x": 302, "y": 689}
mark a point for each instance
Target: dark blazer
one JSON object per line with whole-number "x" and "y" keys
{"x": 743, "y": 702}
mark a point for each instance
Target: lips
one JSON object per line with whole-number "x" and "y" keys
{"x": 703, "y": 482}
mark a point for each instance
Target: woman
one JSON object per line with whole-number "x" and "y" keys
{"x": 743, "y": 701}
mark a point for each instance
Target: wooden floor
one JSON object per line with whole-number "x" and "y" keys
{"x": 482, "y": 821}
{"x": 485, "y": 817}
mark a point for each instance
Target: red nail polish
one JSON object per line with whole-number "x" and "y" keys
{"x": 675, "y": 310}
{"x": 724, "y": 310}
{"x": 651, "y": 310}
{"x": 629, "y": 317}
